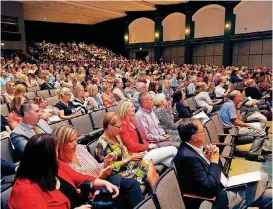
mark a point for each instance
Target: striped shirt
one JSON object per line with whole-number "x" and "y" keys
{"x": 88, "y": 164}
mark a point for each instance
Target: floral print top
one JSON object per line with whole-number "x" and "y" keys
{"x": 134, "y": 169}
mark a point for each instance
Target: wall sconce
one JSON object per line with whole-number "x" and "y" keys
{"x": 140, "y": 49}
{"x": 187, "y": 31}
{"x": 126, "y": 37}
{"x": 227, "y": 25}
{"x": 156, "y": 34}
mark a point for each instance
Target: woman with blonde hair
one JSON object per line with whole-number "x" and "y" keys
{"x": 14, "y": 117}
{"x": 80, "y": 102}
{"x": 126, "y": 165}
{"x": 95, "y": 97}
{"x": 134, "y": 139}
{"x": 65, "y": 104}
{"x": 9, "y": 94}
{"x": 20, "y": 89}
{"x": 79, "y": 159}
{"x": 107, "y": 96}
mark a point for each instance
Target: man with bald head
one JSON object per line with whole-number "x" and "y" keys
{"x": 229, "y": 114}
{"x": 147, "y": 121}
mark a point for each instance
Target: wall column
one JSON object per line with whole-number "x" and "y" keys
{"x": 159, "y": 38}
{"x": 229, "y": 31}
{"x": 126, "y": 39}
{"x": 189, "y": 35}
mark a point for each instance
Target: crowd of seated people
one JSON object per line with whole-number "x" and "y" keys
{"x": 152, "y": 125}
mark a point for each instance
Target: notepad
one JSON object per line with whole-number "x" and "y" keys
{"x": 240, "y": 179}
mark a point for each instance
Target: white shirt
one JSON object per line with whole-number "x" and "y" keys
{"x": 191, "y": 88}
{"x": 203, "y": 100}
{"x": 219, "y": 91}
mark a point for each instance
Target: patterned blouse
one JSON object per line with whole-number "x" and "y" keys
{"x": 88, "y": 164}
{"x": 134, "y": 169}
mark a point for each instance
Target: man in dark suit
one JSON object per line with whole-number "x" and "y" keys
{"x": 199, "y": 173}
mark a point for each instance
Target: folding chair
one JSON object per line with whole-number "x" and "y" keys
{"x": 4, "y": 110}
{"x": 167, "y": 191}
{"x": 33, "y": 89}
{"x": 192, "y": 199}
{"x": 97, "y": 118}
{"x": 147, "y": 203}
{"x": 91, "y": 147}
{"x": 112, "y": 108}
{"x": 220, "y": 129}
{"x": 52, "y": 100}
{"x": 192, "y": 104}
{"x": 7, "y": 149}
{"x": 44, "y": 93}
{"x": 5, "y": 194}
{"x": 63, "y": 122}
{"x": 53, "y": 92}
{"x": 31, "y": 95}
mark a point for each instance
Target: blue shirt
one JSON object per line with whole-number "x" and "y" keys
{"x": 3, "y": 81}
{"x": 227, "y": 113}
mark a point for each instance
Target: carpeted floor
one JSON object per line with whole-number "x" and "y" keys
{"x": 240, "y": 165}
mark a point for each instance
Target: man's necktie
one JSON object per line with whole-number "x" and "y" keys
{"x": 37, "y": 130}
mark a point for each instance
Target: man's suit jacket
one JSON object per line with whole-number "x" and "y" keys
{"x": 23, "y": 132}
{"x": 198, "y": 177}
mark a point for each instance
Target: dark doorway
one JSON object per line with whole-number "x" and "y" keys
{"x": 141, "y": 55}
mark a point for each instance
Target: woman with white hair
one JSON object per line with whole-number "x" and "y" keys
{"x": 164, "y": 114}
{"x": 134, "y": 138}
{"x": 65, "y": 104}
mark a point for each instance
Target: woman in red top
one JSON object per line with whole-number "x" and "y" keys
{"x": 134, "y": 139}
{"x": 43, "y": 182}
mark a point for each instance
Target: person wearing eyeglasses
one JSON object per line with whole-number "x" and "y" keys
{"x": 126, "y": 165}
{"x": 65, "y": 104}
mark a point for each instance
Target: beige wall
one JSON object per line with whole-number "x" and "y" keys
{"x": 253, "y": 16}
{"x": 141, "y": 30}
{"x": 174, "y": 27}
{"x": 209, "y": 21}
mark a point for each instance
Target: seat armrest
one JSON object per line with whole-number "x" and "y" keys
{"x": 226, "y": 135}
{"x": 83, "y": 135}
{"x": 199, "y": 197}
{"x": 222, "y": 144}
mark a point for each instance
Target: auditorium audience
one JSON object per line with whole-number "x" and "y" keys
{"x": 135, "y": 141}
{"x": 79, "y": 159}
{"x": 99, "y": 79}
{"x": 42, "y": 181}
{"x": 126, "y": 165}
{"x": 200, "y": 173}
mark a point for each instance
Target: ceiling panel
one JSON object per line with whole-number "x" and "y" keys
{"x": 85, "y": 12}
